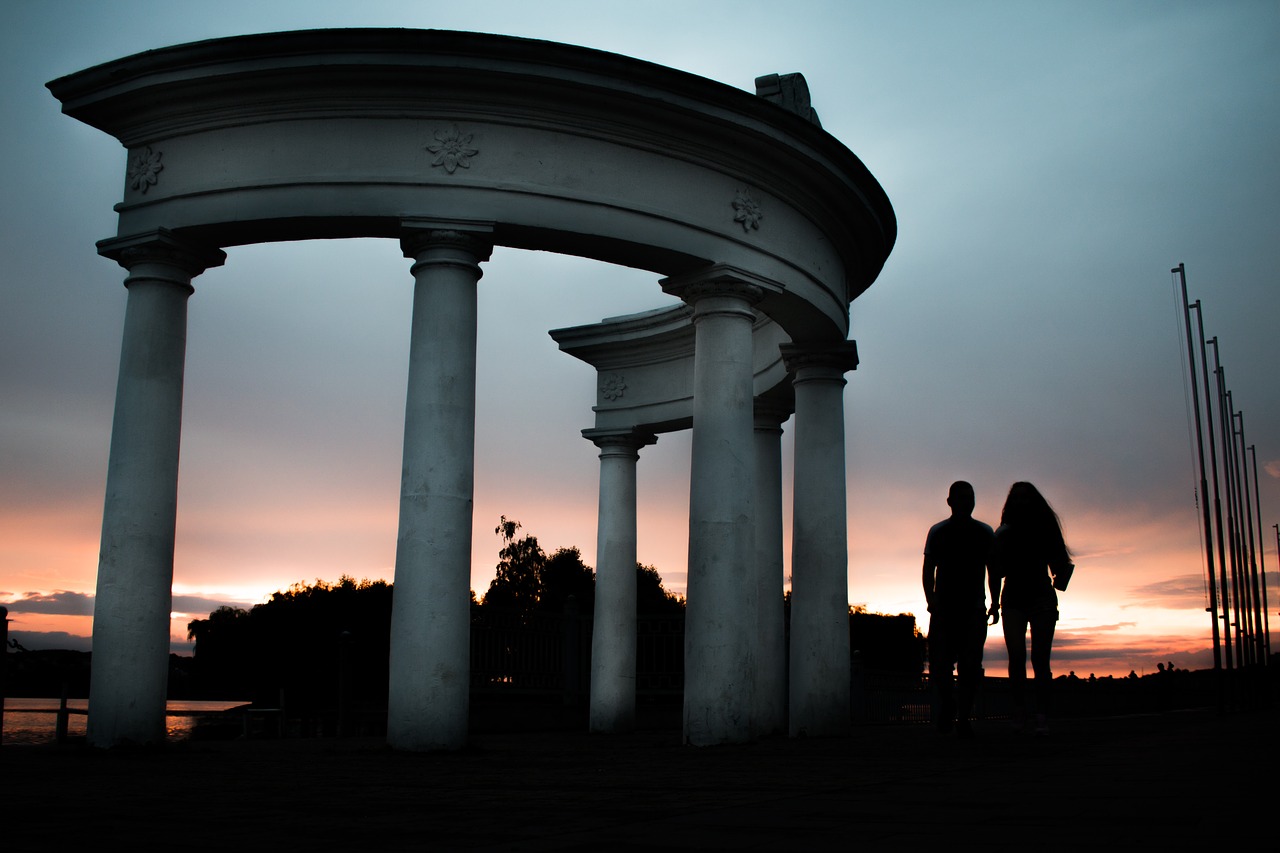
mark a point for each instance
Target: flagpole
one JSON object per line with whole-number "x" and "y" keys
{"x": 1217, "y": 494}
{"x": 1243, "y": 641}
{"x": 1230, "y": 526}
{"x": 1256, "y": 609}
{"x": 1180, "y": 269}
{"x": 1264, "y": 576}
{"x": 1246, "y": 521}
{"x": 1260, "y": 596}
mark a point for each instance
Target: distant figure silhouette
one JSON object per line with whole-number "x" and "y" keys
{"x": 1028, "y": 547}
{"x": 955, "y": 560}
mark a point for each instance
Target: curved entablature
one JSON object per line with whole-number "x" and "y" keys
{"x": 644, "y": 367}
{"x": 330, "y": 133}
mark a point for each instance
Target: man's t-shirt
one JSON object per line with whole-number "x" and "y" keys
{"x": 959, "y": 547}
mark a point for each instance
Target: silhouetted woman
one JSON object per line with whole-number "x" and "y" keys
{"x": 1030, "y": 555}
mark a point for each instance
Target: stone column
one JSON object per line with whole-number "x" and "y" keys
{"x": 430, "y": 678}
{"x": 135, "y": 569}
{"x": 771, "y": 640}
{"x": 819, "y": 548}
{"x": 721, "y": 592}
{"x": 613, "y": 638}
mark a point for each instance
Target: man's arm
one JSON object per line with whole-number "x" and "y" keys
{"x": 926, "y": 579}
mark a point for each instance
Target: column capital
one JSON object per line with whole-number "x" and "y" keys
{"x": 719, "y": 280}
{"x": 420, "y": 235}
{"x": 626, "y": 441}
{"x": 162, "y": 246}
{"x": 835, "y": 359}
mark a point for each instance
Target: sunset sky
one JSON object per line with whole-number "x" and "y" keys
{"x": 1049, "y": 163}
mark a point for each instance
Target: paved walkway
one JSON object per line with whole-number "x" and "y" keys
{"x": 1142, "y": 782}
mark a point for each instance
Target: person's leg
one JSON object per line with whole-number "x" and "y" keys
{"x": 1042, "y": 628}
{"x": 1015, "y": 642}
{"x": 941, "y": 658}
{"x": 969, "y": 668}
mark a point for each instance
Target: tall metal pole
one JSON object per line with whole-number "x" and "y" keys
{"x": 1247, "y": 548}
{"x": 1255, "y": 612}
{"x": 1217, "y": 493}
{"x": 4, "y": 660}
{"x": 1264, "y": 576}
{"x": 1260, "y": 596}
{"x": 1244, "y": 621}
{"x": 1222, "y": 561}
{"x": 1228, "y": 442}
{"x": 1180, "y": 269}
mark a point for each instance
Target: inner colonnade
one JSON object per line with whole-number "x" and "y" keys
{"x": 763, "y": 225}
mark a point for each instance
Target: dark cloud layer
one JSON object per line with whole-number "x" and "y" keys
{"x": 1188, "y": 591}
{"x": 197, "y": 605}
{"x": 64, "y": 603}
{"x": 34, "y": 641}
{"x": 60, "y": 603}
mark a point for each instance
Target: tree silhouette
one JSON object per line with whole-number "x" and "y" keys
{"x": 517, "y": 582}
{"x": 293, "y": 643}
{"x": 310, "y": 638}
{"x": 224, "y": 645}
{"x": 565, "y": 575}
{"x": 652, "y": 598}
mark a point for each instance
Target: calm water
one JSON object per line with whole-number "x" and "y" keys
{"x": 28, "y": 720}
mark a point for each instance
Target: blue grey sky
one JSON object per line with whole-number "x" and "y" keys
{"x": 1048, "y": 162}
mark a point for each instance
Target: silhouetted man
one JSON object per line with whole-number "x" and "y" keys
{"x": 955, "y": 560}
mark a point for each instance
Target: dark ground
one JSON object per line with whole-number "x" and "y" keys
{"x": 1141, "y": 782}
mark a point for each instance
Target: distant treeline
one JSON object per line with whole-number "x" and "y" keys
{"x": 304, "y": 640}
{"x": 297, "y": 640}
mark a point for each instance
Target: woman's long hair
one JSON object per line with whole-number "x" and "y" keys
{"x": 1028, "y": 514}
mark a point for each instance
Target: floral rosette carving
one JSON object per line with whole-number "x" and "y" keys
{"x": 452, "y": 149}
{"x": 144, "y": 169}
{"x": 746, "y": 211}
{"x": 612, "y": 386}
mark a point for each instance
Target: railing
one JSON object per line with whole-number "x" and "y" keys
{"x": 889, "y": 697}
{"x": 528, "y": 653}
{"x": 550, "y": 653}
{"x": 62, "y": 723}
{"x": 659, "y": 655}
